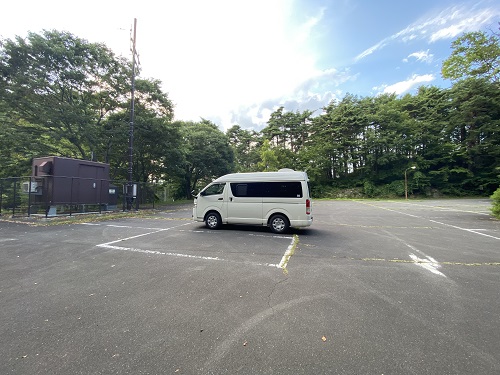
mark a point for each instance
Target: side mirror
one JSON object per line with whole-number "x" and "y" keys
{"x": 193, "y": 193}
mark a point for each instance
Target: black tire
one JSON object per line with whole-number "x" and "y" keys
{"x": 213, "y": 220}
{"x": 279, "y": 224}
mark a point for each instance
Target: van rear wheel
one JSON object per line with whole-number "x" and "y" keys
{"x": 213, "y": 220}
{"x": 279, "y": 224}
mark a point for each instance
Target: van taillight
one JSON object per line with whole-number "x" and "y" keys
{"x": 308, "y": 206}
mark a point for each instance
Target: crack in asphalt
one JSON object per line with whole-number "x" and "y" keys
{"x": 272, "y": 292}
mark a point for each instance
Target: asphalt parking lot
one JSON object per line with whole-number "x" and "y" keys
{"x": 373, "y": 287}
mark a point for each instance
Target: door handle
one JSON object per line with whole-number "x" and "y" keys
{"x": 220, "y": 199}
{"x": 231, "y": 199}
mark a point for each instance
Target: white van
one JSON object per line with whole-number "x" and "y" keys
{"x": 278, "y": 200}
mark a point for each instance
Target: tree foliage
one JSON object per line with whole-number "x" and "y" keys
{"x": 474, "y": 55}
{"x": 64, "y": 85}
{"x": 207, "y": 154}
{"x": 61, "y": 95}
{"x": 245, "y": 144}
{"x": 495, "y": 209}
{"x": 451, "y": 135}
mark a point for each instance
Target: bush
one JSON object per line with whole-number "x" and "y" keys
{"x": 395, "y": 189}
{"x": 496, "y": 203}
{"x": 369, "y": 189}
{"x": 330, "y": 192}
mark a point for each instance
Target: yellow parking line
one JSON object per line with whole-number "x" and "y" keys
{"x": 475, "y": 264}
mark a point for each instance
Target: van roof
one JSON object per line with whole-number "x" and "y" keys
{"x": 281, "y": 175}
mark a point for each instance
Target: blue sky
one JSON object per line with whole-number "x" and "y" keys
{"x": 236, "y": 61}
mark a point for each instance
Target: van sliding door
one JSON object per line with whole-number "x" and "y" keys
{"x": 245, "y": 203}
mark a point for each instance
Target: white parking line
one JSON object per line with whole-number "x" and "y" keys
{"x": 122, "y": 226}
{"x": 7, "y": 239}
{"x": 180, "y": 255}
{"x": 111, "y": 245}
{"x": 156, "y": 252}
{"x": 467, "y": 230}
{"x": 156, "y": 230}
{"x": 475, "y": 231}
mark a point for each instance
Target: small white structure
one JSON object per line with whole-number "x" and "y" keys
{"x": 276, "y": 199}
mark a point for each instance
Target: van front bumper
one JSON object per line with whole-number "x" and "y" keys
{"x": 193, "y": 216}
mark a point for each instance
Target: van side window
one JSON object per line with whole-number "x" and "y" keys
{"x": 214, "y": 189}
{"x": 241, "y": 190}
{"x": 247, "y": 189}
{"x": 288, "y": 189}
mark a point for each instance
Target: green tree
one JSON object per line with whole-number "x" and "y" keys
{"x": 61, "y": 95}
{"x": 275, "y": 129}
{"x": 63, "y": 85}
{"x": 474, "y": 125}
{"x": 157, "y": 152}
{"x": 287, "y": 133}
{"x": 268, "y": 158}
{"x": 427, "y": 118}
{"x": 155, "y": 137}
{"x": 245, "y": 145}
{"x": 474, "y": 55}
{"x": 207, "y": 154}
{"x": 288, "y": 130}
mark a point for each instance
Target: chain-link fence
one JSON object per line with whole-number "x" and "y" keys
{"x": 56, "y": 195}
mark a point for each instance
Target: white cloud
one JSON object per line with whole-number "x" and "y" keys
{"x": 423, "y": 56}
{"x": 239, "y": 53}
{"x": 312, "y": 94}
{"x": 372, "y": 49}
{"x": 212, "y": 56}
{"x": 461, "y": 22}
{"x": 448, "y": 24}
{"x": 256, "y": 116}
{"x": 405, "y": 86}
{"x": 305, "y": 30}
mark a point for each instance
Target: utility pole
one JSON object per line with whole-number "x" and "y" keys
{"x": 406, "y": 180}
{"x": 130, "y": 185}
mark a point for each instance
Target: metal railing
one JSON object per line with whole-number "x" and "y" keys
{"x": 59, "y": 195}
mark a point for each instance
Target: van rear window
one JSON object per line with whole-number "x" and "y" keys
{"x": 286, "y": 189}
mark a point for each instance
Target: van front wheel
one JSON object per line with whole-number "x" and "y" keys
{"x": 213, "y": 220}
{"x": 279, "y": 224}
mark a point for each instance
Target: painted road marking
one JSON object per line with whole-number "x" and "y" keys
{"x": 446, "y": 263}
{"x": 288, "y": 253}
{"x": 182, "y": 230}
{"x": 272, "y": 236}
{"x": 475, "y": 231}
{"x": 376, "y": 226}
{"x": 428, "y": 263}
{"x": 111, "y": 245}
{"x": 467, "y": 230}
{"x": 154, "y": 230}
{"x": 124, "y": 226}
{"x": 180, "y": 255}
{"x": 451, "y": 209}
